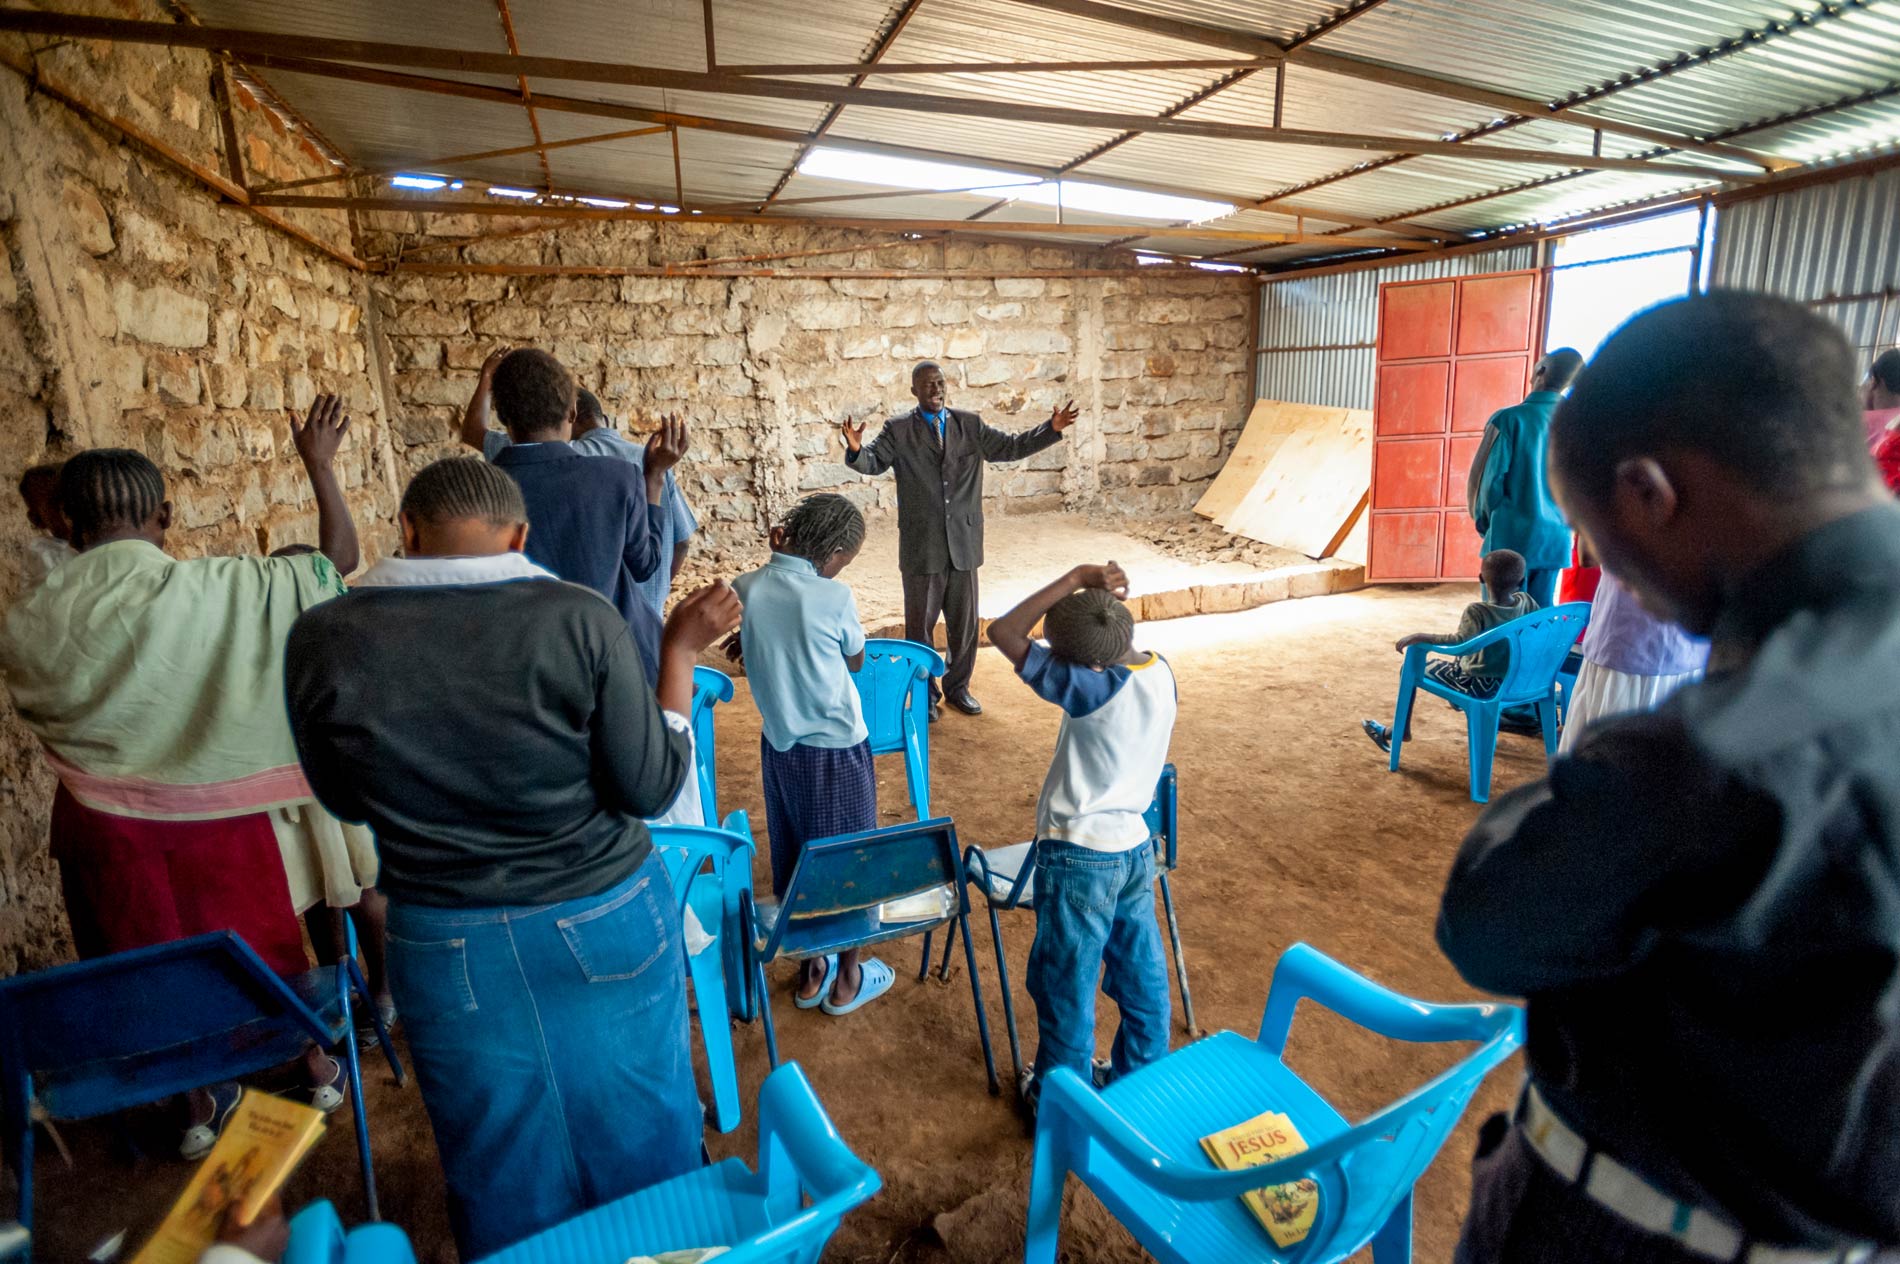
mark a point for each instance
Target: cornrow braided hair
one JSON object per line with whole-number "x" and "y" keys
{"x": 1091, "y": 627}
{"x": 819, "y": 526}
{"x": 107, "y": 488}
{"x": 464, "y": 487}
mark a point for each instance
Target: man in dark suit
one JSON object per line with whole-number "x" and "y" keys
{"x": 939, "y": 453}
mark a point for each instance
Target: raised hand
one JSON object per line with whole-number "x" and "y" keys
{"x": 667, "y": 445}
{"x": 853, "y": 436}
{"x": 493, "y": 362}
{"x": 320, "y": 433}
{"x": 1064, "y": 417}
{"x": 704, "y": 617}
{"x": 1109, "y": 575}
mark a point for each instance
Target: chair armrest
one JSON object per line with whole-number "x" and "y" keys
{"x": 1306, "y": 973}
{"x": 794, "y": 1129}
{"x": 1065, "y": 1098}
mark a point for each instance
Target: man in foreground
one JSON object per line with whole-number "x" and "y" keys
{"x": 1702, "y": 904}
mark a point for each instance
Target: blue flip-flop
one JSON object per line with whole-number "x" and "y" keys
{"x": 875, "y": 979}
{"x": 824, "y": 989}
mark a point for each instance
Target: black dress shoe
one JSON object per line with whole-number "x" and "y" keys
{"x": 964, "y": 702}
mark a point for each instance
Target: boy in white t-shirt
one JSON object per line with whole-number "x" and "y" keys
{"x": 1094, "y": 868}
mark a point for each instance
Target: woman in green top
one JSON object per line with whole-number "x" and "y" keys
{"x": 155, "y": 687}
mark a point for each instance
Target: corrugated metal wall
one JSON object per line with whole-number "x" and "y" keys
{"x": 1317, "y": 334}
{"x": 1836, "y": 246}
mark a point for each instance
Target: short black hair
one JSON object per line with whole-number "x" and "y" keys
{"x": 1886, "y": 369}
{"x": 1503, "y": 571}
{"x": 822, "y": 525}
{"x": 587, "y": 407}
{"x": 1561, "y": 368}
{"x": 917, "y": 370}
{"x": 464, "y": 487}
{"x": 1092, "y": 627}
{"x": 294, "y": 550}
{"x": 533, "y": 392}
{"x": 107, "y": 488}
{"x": 1763, "y": 385}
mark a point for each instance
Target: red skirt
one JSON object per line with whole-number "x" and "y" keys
{"x": 131, "y": 883}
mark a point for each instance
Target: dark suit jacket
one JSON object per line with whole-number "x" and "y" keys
{"x": 940, "y": 485}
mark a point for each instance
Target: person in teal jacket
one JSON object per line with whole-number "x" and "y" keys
{"x": 1509, "y": 499}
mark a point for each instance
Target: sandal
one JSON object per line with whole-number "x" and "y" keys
{"x": 366, "y": 1031}
{"x": 199, "y": 1138}
{"x": 818, "y": 998}
{"x": 874, "y": 980}
{"x": 328, "y": 1096}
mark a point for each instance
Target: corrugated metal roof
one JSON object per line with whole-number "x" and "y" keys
{"x": 1636, "y": 61}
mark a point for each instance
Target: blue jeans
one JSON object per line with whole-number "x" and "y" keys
{"x": 551, "y": 1045}
{"x": 1094, "y": 910}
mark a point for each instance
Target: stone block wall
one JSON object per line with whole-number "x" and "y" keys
{"x": 766, "y": 367}
{"x": 137, "y": 311}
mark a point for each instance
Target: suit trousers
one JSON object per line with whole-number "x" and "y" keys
{"x": 952, "y": 595}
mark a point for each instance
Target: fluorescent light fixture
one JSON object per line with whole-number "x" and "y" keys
{"x": 669, "y": 210}
{"x": 904, "y": 173}
{"x": 1145, "y": 259}
{"x": 418, "y": 182}
{"x": 455, "y": 184}
{"x": 1208, "y": 266}
{"x": 611, "y": 204}
{"x": 644, "y": 206}
{"x": 1106, "y": 199}
{"x": 500, "y": 191}
{"x": 988, "y": 182}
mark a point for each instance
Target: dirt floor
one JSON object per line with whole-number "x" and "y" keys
{"x": 1159, "y": 554}
{"x": 1291, "y": 830}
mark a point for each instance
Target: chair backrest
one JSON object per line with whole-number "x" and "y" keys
{"x": 140, "y": 1002}
{"x": 1539, "y": 643}
{"x": 1164, "y": 818}
{"x": 710, "y": 688}
{"x": 894, "y": 689}
{"x": 866, "y": 869}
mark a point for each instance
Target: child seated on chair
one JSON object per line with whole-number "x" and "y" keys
{"x": 800, "y": 641}
{"x": 1094, "y": 869}
{"x": 1479, "y": 674}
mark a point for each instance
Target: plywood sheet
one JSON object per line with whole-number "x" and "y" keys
{"x": 1268, "y": 426}
{"x": 1318, "y": 477}
{"x": 1352, "y": 547}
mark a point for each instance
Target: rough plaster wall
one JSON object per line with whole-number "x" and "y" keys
{"x": 137, "y": 311}
{"x": 765, "y": 368}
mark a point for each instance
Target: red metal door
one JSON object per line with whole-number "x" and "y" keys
{"x": 1450, "y": 353}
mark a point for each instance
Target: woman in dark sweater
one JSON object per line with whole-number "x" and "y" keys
{"x": 496, "y": 728}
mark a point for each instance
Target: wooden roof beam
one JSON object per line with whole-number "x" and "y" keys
{"x": 422, "y": 206}
{"x": 905, "y": 12}
{"x": 242, "y": 42}
{"x": 1392, "y": 76}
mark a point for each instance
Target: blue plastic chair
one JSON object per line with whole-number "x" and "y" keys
{"x": 833, "y": 903}
{"x": 99, "y": 1036}
{"x": 317, "y": 1237}
{"x": 1539, "y": 643}
{"x": 704, "y": 865}
{"x": 710, "y": 688}
{"x": 894, "y": 688}
{"x": 1136, "y": 1144}
{"x": 1006, "y": 879}
{"x": 762, "y": 1216}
